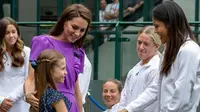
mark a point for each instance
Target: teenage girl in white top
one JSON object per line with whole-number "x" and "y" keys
{"x": 14, "y": 64}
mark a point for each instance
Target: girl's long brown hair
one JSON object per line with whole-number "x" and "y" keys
{"x": 17, "y": 53}
{"x": 45, "y": 64}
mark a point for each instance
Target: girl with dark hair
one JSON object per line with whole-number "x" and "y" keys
{"x": 177, "y": 87}
{"x": 14, "y": 64}
{"x": 50, "y": 68}
{"x": 66, "y": 37}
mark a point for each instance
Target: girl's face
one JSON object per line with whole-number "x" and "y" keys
{"x": 161, "y": 29}
{"x": 111, "y": 94}
{"x": 146, "y": 48}
{"x": 59, "y": 71}
{"x": 74, "y": 29}
{"x": 11, "y": 35}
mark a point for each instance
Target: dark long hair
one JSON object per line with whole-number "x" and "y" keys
{"x": 172, "y": 15}
{"x": 72, "y": 11}
{"x": 17, "y": 50}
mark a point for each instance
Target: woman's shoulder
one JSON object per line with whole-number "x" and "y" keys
{"x": 44, "y": 41}
{"x": 40, "y": 38}
{"x": 27, "y": 49}
{"x": 26, "y": 52}
{"x": 189, "y": 47}
{"x": 81, "y": 51}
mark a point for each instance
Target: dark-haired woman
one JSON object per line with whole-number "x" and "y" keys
{"x": 66, "y": 37}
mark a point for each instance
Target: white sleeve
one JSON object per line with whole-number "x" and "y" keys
{"x": 84, "y": 78}
{"x": 117, "y": 7}
{"x": 188, "y": 63}
{"x": 100, "y": 16}
{"x": 147, "y": 97}
{"x": 19, "y": 91}
{"x": 108, "y": 8}
{"x": 123, "y": 98}
{"x": 150, "y": 77}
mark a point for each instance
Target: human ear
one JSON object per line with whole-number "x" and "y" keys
{"x": 65, "y": 24}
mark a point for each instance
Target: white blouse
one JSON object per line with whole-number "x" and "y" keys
{"x": 138, "y": 79}
{"x": 111, "y": 9}
{"x": 114, "y": 108}
{"x": 84, "y": 78}
{"x": 12, "y": 81}
{"x": 179, "y": 91}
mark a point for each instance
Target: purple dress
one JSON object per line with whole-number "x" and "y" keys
{"x": 74, "y": 60}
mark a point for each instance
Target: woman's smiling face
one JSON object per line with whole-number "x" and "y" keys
{"x": 161, "y": 29}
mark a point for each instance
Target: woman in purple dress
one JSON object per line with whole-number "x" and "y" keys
{"x": 67, "y": 37}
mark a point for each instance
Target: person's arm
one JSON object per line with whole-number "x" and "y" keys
{"x": 133, "y": 9}
{"x": 108, "y": 15}
{"x": 78, "y": 96}
{"x": 17, "y": 93}
{"x": 100, "y": 16}
{"x": 60, "y": 106}
{"x": 85, "y": 78}
{"x": 115, "y": 15}
{"x": 38, "y": 44}
{"x": 29, "y": 85}
{"x": 150, "y": 76}
{"x": 29, "y": 89}
{"x": 123, "y": 98}
{"x": 107, "y": 12}
{"x": 146, "y": 98}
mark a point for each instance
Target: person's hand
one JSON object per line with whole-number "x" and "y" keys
{"x": 32, "y": 100}
{"x": 124, "y": 110}
{"x": 1, "y": 110}
{"x": 6, "y": 104}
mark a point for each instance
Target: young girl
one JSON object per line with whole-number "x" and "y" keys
{"x": 14, "y": 64}
{"x": 50, "y": 68}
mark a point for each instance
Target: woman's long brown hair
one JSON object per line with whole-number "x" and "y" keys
{"x": 17, "y": 53}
